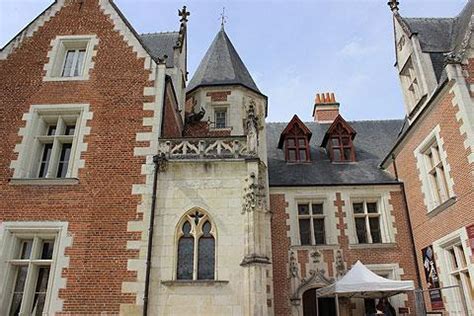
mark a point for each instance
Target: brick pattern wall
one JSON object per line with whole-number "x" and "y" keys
{"x": 100, "y": 206}
{"x": 172, "y": 123}
{"x": 280, "y": 248}
{"x": 218, "y": 95}
{"x": 426, "y": 226}
{"x": 401, "y": 253}
{"x": 326, "y": 115}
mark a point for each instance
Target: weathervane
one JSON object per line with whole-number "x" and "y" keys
{"x": 223, "y": 17}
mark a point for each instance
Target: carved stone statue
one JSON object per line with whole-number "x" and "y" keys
{"x": 252, "y": 129}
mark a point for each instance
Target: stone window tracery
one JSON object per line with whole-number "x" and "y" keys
{"x": 196, "y": 247}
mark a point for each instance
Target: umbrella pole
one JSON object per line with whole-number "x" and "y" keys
{"x": 337, "y": 305}
{"x": 317, "y": 304}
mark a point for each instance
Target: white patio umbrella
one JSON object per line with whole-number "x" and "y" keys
{"x": 360, "y": 282}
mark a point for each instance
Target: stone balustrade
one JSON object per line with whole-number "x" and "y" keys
{"x": 205, "y": 148}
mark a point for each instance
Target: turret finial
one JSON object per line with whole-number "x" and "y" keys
{"x": 393, "y": 4}
{"x": 223, "y": 18}
{"x": 183, "y": 13}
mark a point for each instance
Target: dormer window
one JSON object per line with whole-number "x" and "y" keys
{"x": 296, "y": 148}
{"x": 338, "y": 141}
{"x": 294, "y": 140}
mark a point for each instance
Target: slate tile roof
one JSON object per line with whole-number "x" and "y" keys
{"x": 161, "y": 44}
{"x": 441, "y": 35}
{"x": 222, "y": 65}
{"x": 373, "y": 140}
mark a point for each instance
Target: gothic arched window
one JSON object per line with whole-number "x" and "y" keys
{"x": 196, "y": 247}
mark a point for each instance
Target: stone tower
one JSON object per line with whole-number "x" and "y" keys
{"x": 212, "y": 246}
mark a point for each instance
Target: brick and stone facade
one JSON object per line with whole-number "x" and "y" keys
{"x": 210, "y": 155}
{"x": 100, "y": 205}
{"x": 444, "y": 116}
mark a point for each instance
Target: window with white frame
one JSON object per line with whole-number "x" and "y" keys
{"x": 457, "y": 269}
{"x": 196, "y": 247}
{"x": 435, "y": 173}
{"x": 433, "y": 167}
{"x": 55, "y": 140}
{"x": 410, "y": 83}
{"x": 220, "y": 118}
{"x": 71, "y": 58}
{"x": 52, "y": 142}
{"x": 367, "y": 219}
{"x": 311, "y": 223}
{"x": 29, "y": 270}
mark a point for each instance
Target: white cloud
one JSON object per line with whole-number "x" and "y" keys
{"x": 356, "y": 48}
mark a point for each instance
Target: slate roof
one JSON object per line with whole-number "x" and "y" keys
{"x": 441, "y": 35}
{"x": 435, "y": 34}
{"x": 222, "y": 65}
{"x": 160, "y": 44}
{"x": 374, "y": 139}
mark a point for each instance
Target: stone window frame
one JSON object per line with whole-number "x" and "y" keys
{"x": 10, "y": 235}
{"x": 196, "y": 233}
{"x": 330, "y": 221}
{"x": 60, "y": 45}
{"x": 411, "y": 84}
{"x": 458, "y": 237}
{"x": 311, "y": 216}
{"x": 220, "y": 110}
{"x": 387, "y": 230}
{"x": 29, "y": 150}
{"x": 423, "y": 172}
{"x": 366, "y": 215}
{"x": 215, "y": 107}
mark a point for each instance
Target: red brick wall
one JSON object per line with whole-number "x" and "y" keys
{"x": 325, "y": 115}
{"x": 100, "y": 206}
{"x": 401, "y": 253}
{"x": 218, "y": 95}
{"x": 427, "y": 228}
{"x": 280, "y": 260}
{"x": 172, "y": 123}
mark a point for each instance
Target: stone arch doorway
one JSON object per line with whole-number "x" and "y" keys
{"x": 325, "y": 305}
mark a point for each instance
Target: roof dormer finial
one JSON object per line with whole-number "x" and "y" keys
{"x": 184, "y": 13}
{"x": 223, "y": 18}
{"x": 393, "y": 4}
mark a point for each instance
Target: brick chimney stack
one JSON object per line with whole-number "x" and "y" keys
{"x": 326, "y": 109}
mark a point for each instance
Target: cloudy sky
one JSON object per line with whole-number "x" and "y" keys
{"x": 293, "y": 49}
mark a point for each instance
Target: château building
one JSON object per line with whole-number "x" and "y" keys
{"x": 128, "y": 188}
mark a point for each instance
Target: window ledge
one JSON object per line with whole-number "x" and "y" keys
{"x": 194, "y": 282}
{"x": 438, "y": 209}
{"x": 44, "y": 181}
{"x": 221, "y": 129}
{"x": 417, "y": 106}
{"x": 372, "y": 246}
{"x": 80, "y": 78}
{"x": 316, "y": 247}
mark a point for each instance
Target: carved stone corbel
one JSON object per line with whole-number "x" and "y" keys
{"x": 253, "y": 195}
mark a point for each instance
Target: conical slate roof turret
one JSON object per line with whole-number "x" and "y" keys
{"x": 222, "y": 66}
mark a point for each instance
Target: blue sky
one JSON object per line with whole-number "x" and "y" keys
{"x": 293, "y": 49}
